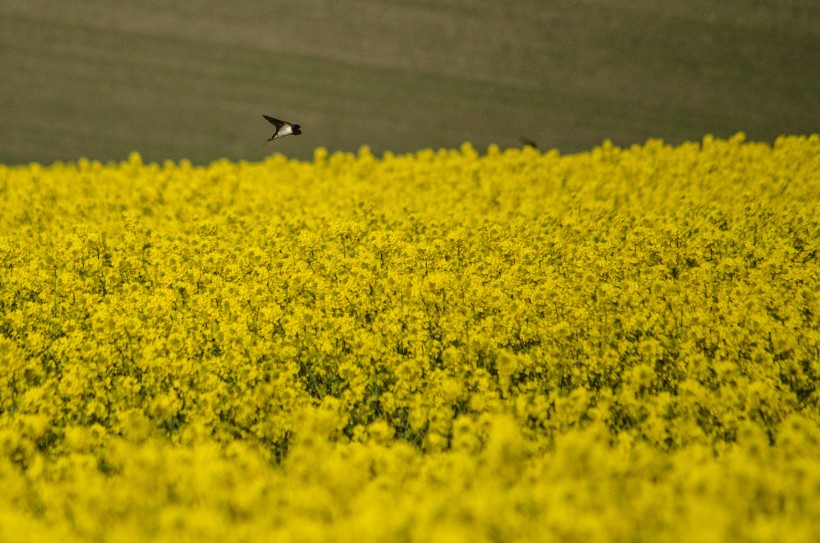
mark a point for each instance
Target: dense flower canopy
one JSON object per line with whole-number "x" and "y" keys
{"x": 616, "y": 345}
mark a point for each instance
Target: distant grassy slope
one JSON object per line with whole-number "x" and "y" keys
{"x": 190, "y": 80}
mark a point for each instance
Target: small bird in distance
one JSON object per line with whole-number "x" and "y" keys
{"x": 283, "y": 128}
{"x": 526, "y": 142}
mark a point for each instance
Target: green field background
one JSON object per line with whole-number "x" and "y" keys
{"x": 101, "y": 78}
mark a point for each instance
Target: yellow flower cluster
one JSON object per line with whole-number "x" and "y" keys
{"x": 618, "y": 345}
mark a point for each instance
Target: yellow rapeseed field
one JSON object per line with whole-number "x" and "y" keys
{"x": 618, "y": 345}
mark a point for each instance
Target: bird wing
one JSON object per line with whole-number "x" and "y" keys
{"x": 276, "y": 122}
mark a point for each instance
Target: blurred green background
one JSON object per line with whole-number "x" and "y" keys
{"x": 173, "y": 80}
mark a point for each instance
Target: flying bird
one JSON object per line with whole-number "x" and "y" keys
{"x": 283, "y": 128}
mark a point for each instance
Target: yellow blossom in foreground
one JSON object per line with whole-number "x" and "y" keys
{"x": 618, "y": 345}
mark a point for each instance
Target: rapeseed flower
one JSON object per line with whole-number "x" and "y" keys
{"x": 614, "y": 345}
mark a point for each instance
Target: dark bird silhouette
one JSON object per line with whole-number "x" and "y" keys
{"x": 283, "y": 128}
{"x": 528, "y": 142}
